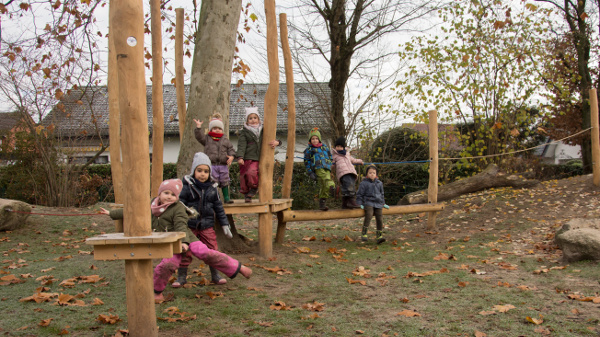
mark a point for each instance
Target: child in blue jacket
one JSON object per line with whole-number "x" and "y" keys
{"x": 370, "y": 197}
{"x": 317, "y": 160}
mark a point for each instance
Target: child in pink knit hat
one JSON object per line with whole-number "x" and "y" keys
{"x": 170, "y": 215}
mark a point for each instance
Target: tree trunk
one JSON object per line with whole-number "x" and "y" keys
{"x": 211, "y": 73}
{"x": 490, "y": 177}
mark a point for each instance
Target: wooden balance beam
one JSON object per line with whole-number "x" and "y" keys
{"x": 310, "y": 215}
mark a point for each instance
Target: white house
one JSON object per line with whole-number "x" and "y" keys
{"x": 81, "y": 118}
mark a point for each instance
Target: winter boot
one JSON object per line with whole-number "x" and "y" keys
{"x": 226, "y": 198}
{"x": 345, "y": 203}
{"x": 181, "y": 278}
{"x": 351, "y": 203}
{"x": 215, "y": 277}
{"x": 380, "y": 238}
{"x": 332, "y": 191}
{"x": 322, "y": 205}
{"x": 364, "y": 236}
{"x": 248, "y": 198}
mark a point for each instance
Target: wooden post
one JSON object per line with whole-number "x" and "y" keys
{"x": 158, "y": 120}
{"x": 114, "y": 124}
{"x": 595, "y": 137}
{"x": 127, "y": 19}
{"x": 179, "y": 86}
{"x": 265, "y": 166}
{"x": 291, "y": 129}
{"x": 433, "y": 168}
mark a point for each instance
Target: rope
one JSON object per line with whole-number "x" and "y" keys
{"x": 518, "y": 151}
{"x": 82, "y": 214}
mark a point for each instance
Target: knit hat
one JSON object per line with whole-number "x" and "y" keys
{"x": 249, "y": 111}
{"x": 314, "y": 132}
{"x": 173, "y": 185}
{"x": 216, "y": 121}
{"x": 200, "y": 158}
{"x": 371, "y": 167}
{"x": 341, "y": 142}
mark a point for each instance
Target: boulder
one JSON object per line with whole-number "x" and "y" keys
{"x": 13, "y": 214}
{"x": 579, "y": 240}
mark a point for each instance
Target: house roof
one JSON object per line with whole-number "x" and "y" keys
{"x": 82, "y": 111}
{"x": 8, "y": 120}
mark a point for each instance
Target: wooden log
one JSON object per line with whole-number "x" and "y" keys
{"x": 432, "y": 191}
{"x": 158, "y": 121}
{"x": 114, "y": 123}
{"x": 267, "y": 160}
{"x": 127, "y": 20}
{"x": 13, "y": 214}
{"x": 291, "y": 109}
{"x": 595, "y": 138}
{"x": 333, "y": 214}
{"x": 490, "y": 177}
{"x": 179, "y": 85}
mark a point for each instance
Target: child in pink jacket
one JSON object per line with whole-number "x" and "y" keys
{"x": 346, "y": 173}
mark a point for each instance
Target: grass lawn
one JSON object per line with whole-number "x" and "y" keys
{"x": 490, "y": 269}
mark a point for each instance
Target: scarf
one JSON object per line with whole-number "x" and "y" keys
{"x": 318, "y": 145}
{"x": 215, "y": 136}
{"x": 254, "y": 129}
{"x": 342, "y": 152}
{"x": 203, "y": 185}
{"x": 158, "y": 209}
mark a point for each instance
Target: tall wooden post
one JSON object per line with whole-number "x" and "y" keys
{"x": 595, "y": 137}
{"x": 158, "y": 120}
{"x": 267, "y": 159}
{"x": 127, "y": 19}
{"x": 291, "y": 129}
{"x": 179, "y": 86}
{"x": 433, "y": 168}
{"x": 114, "y": 123}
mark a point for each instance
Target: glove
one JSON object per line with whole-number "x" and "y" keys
{"x": 313, "y": 176}
{"x": 227, "y": 232}
{"x": 362, "y": 207}
{"x": 386, "y": 206}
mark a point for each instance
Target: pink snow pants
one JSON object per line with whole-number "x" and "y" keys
{"x": 221, "y": 261}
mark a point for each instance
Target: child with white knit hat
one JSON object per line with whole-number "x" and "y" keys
{"x": 248, "y": 152}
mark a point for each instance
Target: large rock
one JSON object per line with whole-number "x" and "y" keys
{"x": 579, "y": 240}
{"x": 13, "y": 214}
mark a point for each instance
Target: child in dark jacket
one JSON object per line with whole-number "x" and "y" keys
{"x": 200, "y": 193}
{"x": 220, "y": 151}
{"x": 370, "y": 198}
{"x": 346, "y": 173}
{"x": 169, "y": 215}
{"x": 248, "y": 152}
{"x": 317, "y": 160}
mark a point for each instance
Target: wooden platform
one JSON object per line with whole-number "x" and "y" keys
{"x": 117, "y": 246}
{"x": 254, "y": 207}
{"x": 310, "y": 215}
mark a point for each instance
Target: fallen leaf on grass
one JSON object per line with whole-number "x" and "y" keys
{"x": 408, "y": 313}
{"x": 351, "y": 281}
{"x": 213, "y": 295}
{"x": 347, "y": 238}
{"x": 315, "y": 306}
{"x": 480, "y": 334}
{"x": 108, "y": 319}
{"x": 97, "y": 301}
{"x": 535, "y": 321}
{"x": 504, "y": 308}
{"x": 361, "y": 271}
{"x": 485, "y": 313}
{"x": 301, "y": 250}
{"x": 265, "y": 324}
{"x": 463, "y": 284}
{"x": 279, "y": 305}
{"x": 309, "y": 238}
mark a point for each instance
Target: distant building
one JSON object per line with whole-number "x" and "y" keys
{"x": 81, "y": 117}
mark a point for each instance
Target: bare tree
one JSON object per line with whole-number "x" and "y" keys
{"x": 353, "y": 37}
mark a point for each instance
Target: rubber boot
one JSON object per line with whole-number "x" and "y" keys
{"x": 226, "y": 198}
{"x": 181, "y": 278}
{"x": 380, "y": 238}
{"x": 351, "y": 203}
{"x": 345, "y": 203}
{"x": 215, "y": 277}
{"x": 363, "y": 235}
{"x": 322, "y": 205}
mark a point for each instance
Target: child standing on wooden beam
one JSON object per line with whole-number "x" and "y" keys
{"x": 248, "y": 153}
{"x": 317, "y": 160}
{"x": 220, "y": 151}
{"x": 370, "y": 197}
{"x": 346, "y": 173}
